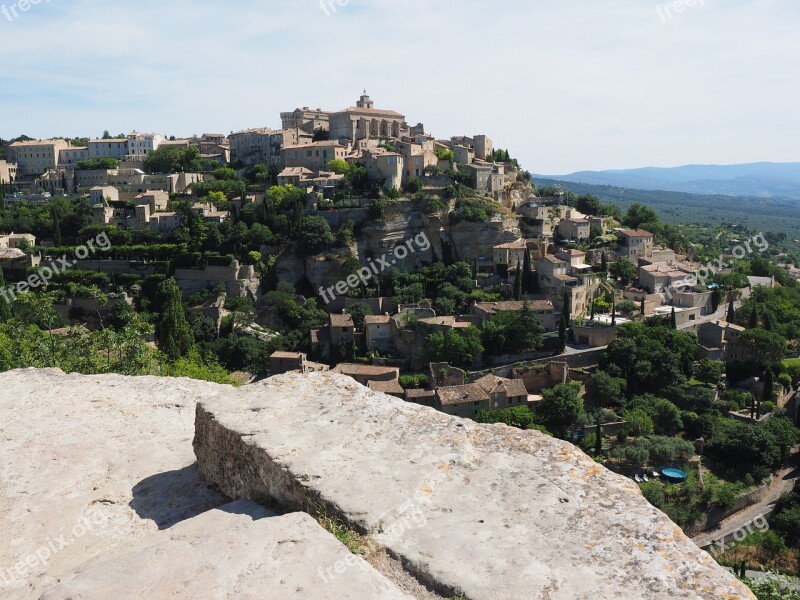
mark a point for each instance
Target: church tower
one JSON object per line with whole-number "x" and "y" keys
{"x": 365, "y": 102}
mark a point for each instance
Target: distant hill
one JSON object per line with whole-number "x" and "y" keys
{"x": 767, "y": 180}
{"x": 756, "y": 213}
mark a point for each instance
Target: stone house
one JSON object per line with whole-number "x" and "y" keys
{"x": 284, "y": 362}
{"x": 378, "y": 331}
{"x": 502, "y": 392}
{"x": 575, "y": 229}
{"x": 665, "y": 276}
{"x": 314, "y": 156}
{"x": 510, "y": 253}
{"x": 462, "y": 400}
{"x": 717, "y": 341}
{"x": 103, "y": 195}
{"x": 635, "y": 244}
{"x": 342, "y": 331}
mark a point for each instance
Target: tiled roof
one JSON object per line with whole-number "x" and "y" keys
{"x": 539, "y": 306}
{"x": 386, "y": 387}
{"x": 340, "y": 320}
{"x": 517, "y": 245}
{"x": 354, "y": 369}
{"x": 634, "y": 233}
{"x": 512, "y": 387}
{"x": 461, "y": 394}
{"x": 286, "y": 355}
{"x": 377, "y": 319}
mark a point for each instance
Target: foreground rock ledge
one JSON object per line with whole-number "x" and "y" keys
{"x": 240, "y": 551}
{"x": 490, "y": 512}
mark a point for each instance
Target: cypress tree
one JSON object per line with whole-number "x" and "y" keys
{"x": 613, "y": 310}
{"x": 716, "y": 297}
{"x": 527, "y": 284}
{"x": 641, "y": 307}
{"x": 754, "y": 317}
{"x": 175, "y": 337}
{"x": 769, "y": 321}
{"x": 731, "y": 318}
{"x": 766, "y": 396}
{"x": 604, "y": 261}
{"x": 562, "y": 334}
{"x": 673, "y": 319}
{"x": 518, "y": 282}
{"x": 5, "y": 307}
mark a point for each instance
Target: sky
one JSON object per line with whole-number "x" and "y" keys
{"x": 564, "y": 86}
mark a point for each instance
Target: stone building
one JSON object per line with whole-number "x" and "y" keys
{"x": 314, "y": 156}
{"x": 364, "y": 121}
{"x": 635, "y": 244}
{"x": 306, "y": 119}
{"x": 8, "y": 172}
{"x": 36, "y": 156}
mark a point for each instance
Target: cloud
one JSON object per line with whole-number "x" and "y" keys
{"x": 564, "y": 86}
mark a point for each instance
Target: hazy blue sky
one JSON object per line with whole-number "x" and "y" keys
{"x": 566, "y": 86}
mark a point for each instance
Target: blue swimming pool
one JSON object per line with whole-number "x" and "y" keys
{"x": 674, "y": 475}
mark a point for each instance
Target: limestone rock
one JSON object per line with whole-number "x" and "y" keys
{"x": 239, "y": 551}
{"x": 491, "y": 512}
{"x": 89, "y": 463}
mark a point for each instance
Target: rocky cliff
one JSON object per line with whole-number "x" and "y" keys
{"x": 101, "y": 497}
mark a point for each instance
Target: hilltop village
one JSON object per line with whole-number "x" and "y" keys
{"x": 430, "y": 269}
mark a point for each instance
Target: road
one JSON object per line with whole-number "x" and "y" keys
{"x": 782, "y": 482}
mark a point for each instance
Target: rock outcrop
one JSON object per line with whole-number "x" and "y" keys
{"x": 489, "y": 512}
{"x": 102, "y": 497}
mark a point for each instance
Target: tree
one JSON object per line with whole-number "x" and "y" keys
{"x": 638, "y": 215}
{"x": 754, "y": 317}
{"x": 560, "y": 408}
{"x": 709, "y": 371}
{"x": 768, "y": 392}
{"x": 174, "y": 334}
{"x": 315, "y": 235}
{"x": 338, "y": 166}
{"x": 763, "y": 346}
{"x": 731, "y": 316}
{"x": 604, "y": 390}
{"x": 459, "y": 349}
{"x": 673, "y": 322}
{"x": 624, "y": 270}
{"x": 5, "y": 307}
{"x": 518, "y": 282}
{"x": 358, "y": 311}
{"x": 640, "y": 423}
{"x": 527, "y": 274}
{"x": 604, "y": 262}
{"x": 562, "y": 335}
{"x": 613, "y": 310}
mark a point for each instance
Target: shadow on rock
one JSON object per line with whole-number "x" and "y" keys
{"x": 174, "y": 496}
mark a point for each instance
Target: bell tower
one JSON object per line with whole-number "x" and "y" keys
{"x": 365, "y": 102}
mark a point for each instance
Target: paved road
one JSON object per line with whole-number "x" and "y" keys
{"x": 782, "y": 482}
